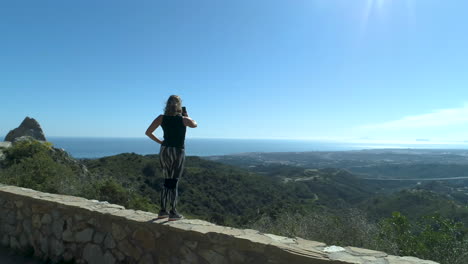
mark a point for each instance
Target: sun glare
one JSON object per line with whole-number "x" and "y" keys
{"x": 379, "y": 6}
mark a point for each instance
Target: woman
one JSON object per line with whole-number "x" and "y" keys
{"x": 172, "y": 152}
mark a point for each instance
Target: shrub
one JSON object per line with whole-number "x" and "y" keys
{"x": 431, "y": 237}
{"x": 112, "y": 191}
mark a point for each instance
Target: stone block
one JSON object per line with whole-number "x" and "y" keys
{"x": 118, "y": 232}
{"x": 11, "y": 217}
{"x": 44, "y": 245}
{"x": 14, "y": 244}
{"x": 92, "y": 254}
{"x": 27, "y": 211}
{"x": 109, "y": 258}
{"x": 67, "y": 236}
{"x": 19, "y": 215}
{"x": 56, "y": 247}
{"x": 27, "y": 224}
{"x": 129, "y": 250}
{"x": 9, "y": 229}
{"x": 147, "y": 259}
{"x": 98, "y": 238}
{"x": 212, "y": 256}
{"x": 57, "y": 228}
{"x": 19, "y": 204}
{"x": 119, "y": 255}
{"x": 36, "y": 221}
{"x": 109, "y": 241}
{"x": 46, "y": 219}
{"x": 188, "y": 255}
{"x": 5, "y": 240}
{"x": 84, "y": 235}
{"x": 23, "y": 240}
{"x": 55, "y": 214}
{"x": 144, "y": 238}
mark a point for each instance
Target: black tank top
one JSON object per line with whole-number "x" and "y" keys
{"x": 174, "y": 131}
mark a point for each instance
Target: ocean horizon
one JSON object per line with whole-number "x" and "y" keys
{"x": 97, "y": 147}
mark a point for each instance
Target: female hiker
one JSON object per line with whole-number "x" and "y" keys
{"x": 174, "y": 122}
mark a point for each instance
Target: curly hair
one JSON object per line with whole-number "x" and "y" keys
{"x": 173, "y": 105}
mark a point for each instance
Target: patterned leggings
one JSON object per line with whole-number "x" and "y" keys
{"x": 172, "y": 161}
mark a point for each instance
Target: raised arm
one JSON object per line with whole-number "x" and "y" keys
{"x": 155, "y": 124}
{"x": 189, "y": 122}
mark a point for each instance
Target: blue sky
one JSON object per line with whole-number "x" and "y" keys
{"x": 303, "y": 69}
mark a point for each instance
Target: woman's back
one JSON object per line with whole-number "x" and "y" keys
{"x": 174, "y": 131}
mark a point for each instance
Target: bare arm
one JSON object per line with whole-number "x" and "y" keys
{"x": 190, "y": 122}
{"x": 155, "y": 124}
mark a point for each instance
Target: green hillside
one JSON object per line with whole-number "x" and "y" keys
{"x": 209, "y": 190}
{"x": 329, "y": 204}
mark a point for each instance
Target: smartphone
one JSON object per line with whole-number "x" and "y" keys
{"x": 184, "y": 111}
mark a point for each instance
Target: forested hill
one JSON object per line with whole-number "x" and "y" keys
{"x": 229, "y": 195}
{"x": 331, "y": 205}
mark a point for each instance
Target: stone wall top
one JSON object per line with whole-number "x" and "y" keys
{"x": 199, "y": 236}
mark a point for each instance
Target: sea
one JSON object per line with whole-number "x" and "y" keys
{"x": 89, "y": 147}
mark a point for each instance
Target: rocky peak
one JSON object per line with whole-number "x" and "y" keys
{"x": 29, "y": 127}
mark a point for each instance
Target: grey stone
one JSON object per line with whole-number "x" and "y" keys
{"x": 212, "y": 257}
{"x": 92, "y": 254}
{"x": 23, "y": 240}
{"x": 68, "y": 236}
{"x": 118, "y": 254}
{"x": 27, "y": 211}
{"x": 29, "y": 127}
{"x": 55, "y": 214}
{"x": 187, "y": 255}
{"x": 129, "y": 250}
{"x": 98, "y": 237}
{"x": 93, "y": 222}
{"x": 36, "y": 221}
{"x": 118, "y": 232}
{"x": 9, "y": 229}
{"x": 67, "y": 256}
{"x": 27, "y": 226}
{"x": 191, "y": 244}
{"x": 19, "y": 215}
{"x": 144, "y": 238}
{"x": 235, "y": 256}
{"x": 57, "y": 247}
{"x": 78, "y": 217}
{"x": 14, "y": 243}
{"x": 44, "y": 245}
{"x": 46, "y": 219}
{"x": 6, "y": 240}
{"x": 84, "y": 235}
{"x": 109, "y": 258}
{"x": 11, "y": 218}
{"x": 147, "y": 259}
{"x": 19, "y": 204}
{"x": 57, "y": 228}
{"x": 109, "y": 241}
{"x": 46, "y": 229}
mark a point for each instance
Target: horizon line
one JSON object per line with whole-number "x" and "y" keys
{"x": 338, "y": 140}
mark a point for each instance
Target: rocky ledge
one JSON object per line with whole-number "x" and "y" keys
{"x": 66, "y": 228}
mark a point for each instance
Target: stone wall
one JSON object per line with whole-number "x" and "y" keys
{"x": 67, "y": 228}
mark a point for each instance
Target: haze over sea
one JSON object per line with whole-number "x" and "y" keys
{"x": 89, "y": 147}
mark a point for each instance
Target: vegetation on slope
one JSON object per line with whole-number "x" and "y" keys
{"x": 317, "y": 204}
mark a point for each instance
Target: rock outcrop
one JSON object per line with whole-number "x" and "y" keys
{"x": 29, "y": 127}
